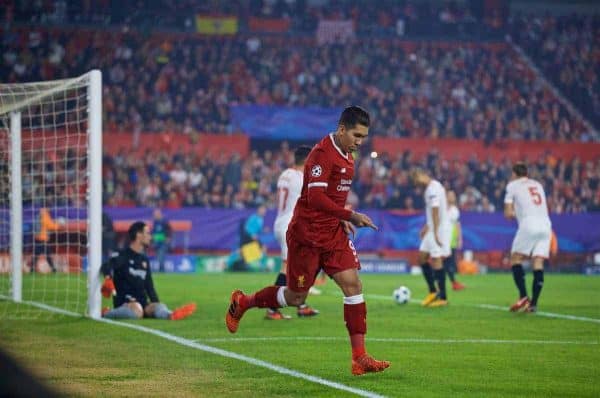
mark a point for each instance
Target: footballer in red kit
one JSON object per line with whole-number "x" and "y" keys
{"x": 317, "y": 237}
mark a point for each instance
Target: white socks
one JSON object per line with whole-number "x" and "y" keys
{"x": 281, "y": 297}
{"x": 354, "y": 299}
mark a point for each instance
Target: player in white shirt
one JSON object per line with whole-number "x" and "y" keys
{"x": 289, "y": 187}
{"x": 525, "y": 200}
{"x": 455, "y": 240}
{"x": 435, "y": 238}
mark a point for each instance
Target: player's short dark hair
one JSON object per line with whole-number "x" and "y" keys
{"x": 520, "y": 169}
{"x": 301, "y": 153}
{"x": 353, "y": 115}
{"x": 135, "y": 229}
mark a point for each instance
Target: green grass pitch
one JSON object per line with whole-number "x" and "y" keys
{"x": 462, "y": 350}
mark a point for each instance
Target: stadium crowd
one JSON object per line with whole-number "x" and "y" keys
{"x": 418, "y": 89}
{"x": 175, "y": 82}
{"x": 567, "y": 49}
{"x": 382, "y": 18}
{"x": 191, "y": 180}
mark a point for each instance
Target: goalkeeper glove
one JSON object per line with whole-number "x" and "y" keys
{"x": 108, "y": 287}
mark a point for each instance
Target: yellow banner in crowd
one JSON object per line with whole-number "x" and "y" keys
{"x": 209, "y": 25}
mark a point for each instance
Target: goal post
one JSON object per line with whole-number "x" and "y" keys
{"x": 51, "y": 196}
{"x": 95, "y": 193}
{"x": 16, "y": 207}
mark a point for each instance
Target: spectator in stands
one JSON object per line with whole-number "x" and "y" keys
{"x": 470, "y": 90}
{"x": 566, "y": 48}
{"x": 383, "y": 183}
{"x": 157, "y": 83}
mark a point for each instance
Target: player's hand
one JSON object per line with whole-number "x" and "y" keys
{"x": 362, "y": 220}
{"x": 423, "y": 231}
{"x": 108, "y": 287}
{"x": 349, "y": 229}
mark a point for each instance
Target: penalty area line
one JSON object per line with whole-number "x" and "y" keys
{"x": 218, "y": 351}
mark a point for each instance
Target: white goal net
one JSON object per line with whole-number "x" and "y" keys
{"x": 50, "y": 197}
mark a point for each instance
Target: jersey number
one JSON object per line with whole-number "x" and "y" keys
{"x": 535, "y": 196}
{"x": 283, "y": 197}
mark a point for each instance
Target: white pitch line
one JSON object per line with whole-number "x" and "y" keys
{"x": 397, "y": 340}
{"x": 500, "y": 308}
{"x": 218, "y": 351}
{"x": 542, "y": 313}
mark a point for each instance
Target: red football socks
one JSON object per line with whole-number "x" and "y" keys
{"x": 358, "y": 345}
{"x": 265, "y": 298}
{"x": 355, "y": 316}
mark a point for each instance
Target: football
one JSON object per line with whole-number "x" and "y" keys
{"x": 402, "y": 295}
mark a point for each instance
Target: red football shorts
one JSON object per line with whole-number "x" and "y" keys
{"x": 305, "y": 262}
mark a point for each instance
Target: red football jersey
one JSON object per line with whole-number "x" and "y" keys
{"x": 328, "y": 167}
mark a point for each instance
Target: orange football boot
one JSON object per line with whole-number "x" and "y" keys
{"x": 366, "y": 364}
{"x": 235, "y": 311}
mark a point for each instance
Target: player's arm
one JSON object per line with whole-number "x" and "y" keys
{"x": 435, "y": 202}
{"x": 435, "y": 216}
{"x": 149, "y": 286}
{"x": 318, "y": 168}
{"x": 509, "y": 200}
{"x": 318, "y": 199}
{"x": 509, "y": 210}
{"x": 349, "y": 228}
{"x": 107, "y": 269}
{"x": 49, "y": 222}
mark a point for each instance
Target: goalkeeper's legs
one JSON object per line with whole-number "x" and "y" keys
{"x": 161, "y": 311}
{"x": 126, "y": 311}
{"x": 157, "y": 310}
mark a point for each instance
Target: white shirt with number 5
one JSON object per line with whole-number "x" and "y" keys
{"x": 529, "y": 201}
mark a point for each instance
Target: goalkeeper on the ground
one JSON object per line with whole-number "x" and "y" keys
{"x": 128, "y": 279}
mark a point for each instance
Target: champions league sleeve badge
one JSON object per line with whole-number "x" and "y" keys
{"x": 316, "y": 171}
